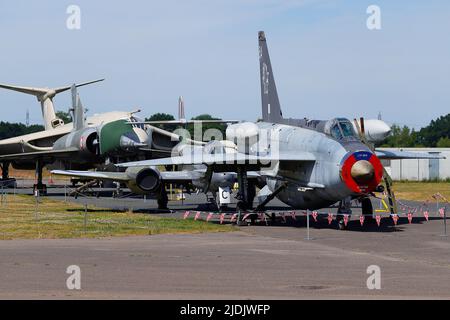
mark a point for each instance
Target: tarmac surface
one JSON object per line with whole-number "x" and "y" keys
{"x": 255, "y": 262}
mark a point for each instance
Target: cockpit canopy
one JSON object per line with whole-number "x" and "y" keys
{"x": 340, "y": 129}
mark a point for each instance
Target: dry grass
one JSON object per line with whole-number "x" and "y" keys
{"x": 19, "y": 219}
{"x": 421, "y": 191}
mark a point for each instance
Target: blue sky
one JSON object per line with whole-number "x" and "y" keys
{"x": 326, "y": 62}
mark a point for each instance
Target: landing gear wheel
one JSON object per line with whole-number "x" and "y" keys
{"x": 251, "y": 194}
{"x": 241, "y": 206}
{"x": 340, "y": 223}
{"x": 367, "y": 209}
{"x": 162, "y": 204}
{"x": 163, "y": 199}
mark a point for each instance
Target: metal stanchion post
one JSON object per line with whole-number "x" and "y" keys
{"x": 85, "y": 217}
{"x": 307, "y": 225}
{"x": 445, "y": 221}
{"x": 36, "y": 208}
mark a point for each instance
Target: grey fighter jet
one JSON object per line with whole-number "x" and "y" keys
{"x": 307, "y": 164}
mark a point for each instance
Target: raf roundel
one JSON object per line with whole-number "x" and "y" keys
{"x": 361, "y": 171}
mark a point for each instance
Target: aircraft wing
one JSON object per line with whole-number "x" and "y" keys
{"x": 95, "y": 175}
{"x": 396, "y": 155}
{"x": 40, "y": 155}
{"x": 180, "y": 122}
{"x": 224, "y": 159}
{"x": 166, "y": 176}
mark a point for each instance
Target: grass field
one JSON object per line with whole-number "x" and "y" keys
{"x": 421, "y": 191}
{"x": 19, "y": 219}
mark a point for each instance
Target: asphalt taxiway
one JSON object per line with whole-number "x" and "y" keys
{"x": 255, "y": 262}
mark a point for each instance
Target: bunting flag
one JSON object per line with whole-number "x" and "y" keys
{"x": 186, "y": 215}
{"x": 222, "y": 218}
{"x": 410, "y": 217}
{"x": 210, "y": 215}
{"x": 426, "y": 214}
{"x": 314, "y": 215}
{"x": 361, "y": 220}
{"x": 233, "y": 218}
{"x": 442, "y": 212}
{"x": 283, "y": 217}
{"x": 395, "y": 218}
{"x": 330, "y": 218}
{"x": 378, "y": 219}
{"x": 293, "y": 215}
{"x": 346, "y": 219}
{"x": 197, "y": 216}
{"x": 263, "y": 217}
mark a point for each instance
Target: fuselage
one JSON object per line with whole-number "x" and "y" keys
{"x": 320, "y": 183}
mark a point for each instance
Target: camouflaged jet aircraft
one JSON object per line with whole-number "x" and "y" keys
{"x": 152, "y": 181}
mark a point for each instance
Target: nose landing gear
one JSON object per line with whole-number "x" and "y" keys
{"x": 344, "y": 208}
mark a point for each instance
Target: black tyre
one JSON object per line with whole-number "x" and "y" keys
{"x": 367, "y": 209}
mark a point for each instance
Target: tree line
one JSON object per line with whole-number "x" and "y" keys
{"x": 436, "y": 134}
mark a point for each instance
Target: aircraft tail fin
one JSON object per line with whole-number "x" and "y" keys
{"x": 181, "y": 114}
{"x": 45, "y": 97}
{"x": 78, "y": 110}
{"x": 271, "y": 109}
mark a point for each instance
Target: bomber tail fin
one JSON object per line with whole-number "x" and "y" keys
{"x": 271, "y": 109}
{"x": 45, "y": 97}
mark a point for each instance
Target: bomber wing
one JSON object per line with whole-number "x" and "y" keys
{"x": 40, "y": 155}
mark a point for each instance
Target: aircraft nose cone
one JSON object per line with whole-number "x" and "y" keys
{"x": 126, "y": 143}
{"x": 362, "y": 171}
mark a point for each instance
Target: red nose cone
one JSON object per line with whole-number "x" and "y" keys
{"x": 362, "y": 171}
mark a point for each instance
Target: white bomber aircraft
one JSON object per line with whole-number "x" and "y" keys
{"x": 127, "y": 131}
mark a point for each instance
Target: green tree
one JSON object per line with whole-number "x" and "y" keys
{"x": 162, "y": 117}
{"x": 443, "y": 142}
{"x": 436, "y": 130}
{"x": 10, "y": 130}
{"x": 64, "y": 116}
{"x": 207, "y": 126}
{"x": 401, "y": 137}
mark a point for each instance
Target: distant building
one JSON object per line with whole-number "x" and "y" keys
{"x": 419, "y": 170}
